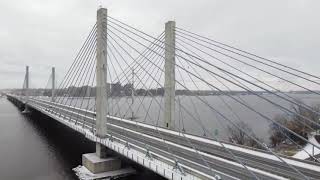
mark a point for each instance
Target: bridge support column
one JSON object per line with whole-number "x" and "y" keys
{"x": 27, "y": 82}
{"x": 90, "y": 160}
{"x": 169, "y": 83}
{"x": 53, "y": 74}
{"x": 26, "y": 109}
{"x": 101, "y": 71}
{"x": 101, "y": 163}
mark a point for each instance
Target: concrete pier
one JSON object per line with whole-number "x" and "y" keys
{"x": 26, "y": 109}
{"x": 101, "y": 164}
{"x": 101, "y": 74}
{"x": 96, "y": 164}
{"x": 169, "y": 83}
{"x": 53, "y": 84}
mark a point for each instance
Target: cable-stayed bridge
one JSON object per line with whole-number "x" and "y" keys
{"x": 144, "y": 98}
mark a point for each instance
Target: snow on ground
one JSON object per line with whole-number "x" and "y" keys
{"x": 309, "y": 148}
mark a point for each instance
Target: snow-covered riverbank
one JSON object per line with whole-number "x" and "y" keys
{"x": 311, "y": 149}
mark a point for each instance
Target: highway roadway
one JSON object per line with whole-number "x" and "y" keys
{"x": 192, "y": 152}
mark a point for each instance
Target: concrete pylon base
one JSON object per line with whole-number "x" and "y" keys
{"x": 26, "y": 110}
{"x": 84, "y": 174}
{"x": 94, "y": 167}
{"x": 96, "y": 164}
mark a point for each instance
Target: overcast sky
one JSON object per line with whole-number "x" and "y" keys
{"x": 43, "y": 33}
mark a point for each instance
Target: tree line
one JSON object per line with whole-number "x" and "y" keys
{"x": 284, "y": 130}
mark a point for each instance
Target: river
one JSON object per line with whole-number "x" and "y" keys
{"x": 201, "y": 114}
{"x": 34, "y": 149}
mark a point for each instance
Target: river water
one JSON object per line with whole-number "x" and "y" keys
{"x": 210, "y": 114}
{"x": 34, "y": 149}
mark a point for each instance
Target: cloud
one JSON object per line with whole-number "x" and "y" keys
{"x": 43, "y": 33}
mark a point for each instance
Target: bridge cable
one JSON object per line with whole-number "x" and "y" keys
{"x": 225, "y": 74}
{"x": 141, "y": 101}
{"x": 121, "y": 58}
{"x": 86, "y": 85}
{"x": 157, "y": 82}
{"x": 79, "y": 73}
{"x": 150, "y": 86}
{"x": 242, "y": 101}
{"x": 306, "y": 106}
{"x": 183, "y": 57}
{"x": 134, "y": 66}
{"x": 230, "y": 152}
{"x": 237, "y": 49}
{"x": 281, "y": 159}
{"x": 150, "y": 95}
{"x": 131, "y": 28}
{"x": 238, "y": 85}
{"x": 199, "y": 120}
{"x": 88, "y": 40}
{"x": 70, "y": 75}
{"x": 74, "y": 69}
{"x": 124, "y": 73}
{"x": 252, "y": 93}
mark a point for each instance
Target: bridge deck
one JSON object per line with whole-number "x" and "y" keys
{"x": 167, "y": 145}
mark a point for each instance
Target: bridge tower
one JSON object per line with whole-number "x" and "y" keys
{"x": 53, "y": 75}
{"x": 26, "y": 109}
{"x": 27, "y": 83}
{"x": 169, "y": 83}
{"x": 101, "y": 71}
{"x": 100, "y": 163}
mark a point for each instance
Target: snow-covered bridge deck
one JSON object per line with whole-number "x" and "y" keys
{"x": 129, "y": 138}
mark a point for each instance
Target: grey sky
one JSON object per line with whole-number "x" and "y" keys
{"x": 43, "y": 33}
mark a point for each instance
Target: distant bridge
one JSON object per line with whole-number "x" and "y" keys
{"x": 119, "y": 60}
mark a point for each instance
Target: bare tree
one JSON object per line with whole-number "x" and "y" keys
{"x": 238, "y": 135}
{"x": 302, "y": 114}
{"x": 278, "y": 133}
{"x": 300, "y": 123}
